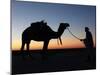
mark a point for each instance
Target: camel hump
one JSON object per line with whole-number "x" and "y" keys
{"x": 40, "y": 26}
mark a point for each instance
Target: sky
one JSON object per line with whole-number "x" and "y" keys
{"x": 78, "y": 16}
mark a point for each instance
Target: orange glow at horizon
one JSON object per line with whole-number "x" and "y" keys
{"x": 67, "y": 43}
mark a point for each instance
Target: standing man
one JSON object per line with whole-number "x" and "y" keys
{"x": 88, "y": 42}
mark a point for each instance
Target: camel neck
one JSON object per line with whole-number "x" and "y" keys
{"x": 60, "y": 32}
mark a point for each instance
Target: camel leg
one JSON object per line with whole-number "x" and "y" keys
{"x": 45, "y": 47}
{"x": 27, "y": 47}
{"x": 28, "y": 44}
{"x": 22, "y": 47}
{"x": 45, "y": 52}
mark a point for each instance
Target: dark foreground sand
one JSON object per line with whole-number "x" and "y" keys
{"x": 58, "y": 60}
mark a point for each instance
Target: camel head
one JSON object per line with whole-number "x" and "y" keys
{"x": 64, "y": 25}
{"x": 61, "y": 29}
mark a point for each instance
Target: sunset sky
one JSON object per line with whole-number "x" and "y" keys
{"x": 78, "y": 16}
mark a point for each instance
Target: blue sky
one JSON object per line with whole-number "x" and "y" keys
{"x": 78, "y": 16}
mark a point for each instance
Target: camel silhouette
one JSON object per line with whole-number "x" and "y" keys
{"x": 40, "y": 31}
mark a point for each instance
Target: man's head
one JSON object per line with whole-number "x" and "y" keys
{"x": 86, "y": 29}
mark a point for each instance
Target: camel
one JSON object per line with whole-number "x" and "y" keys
{"x": 40, "y": 31}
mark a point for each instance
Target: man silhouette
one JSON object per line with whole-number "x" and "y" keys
{"x": 88, "y": 41}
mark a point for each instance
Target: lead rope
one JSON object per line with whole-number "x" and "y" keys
{"x": 73, "y": 34}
